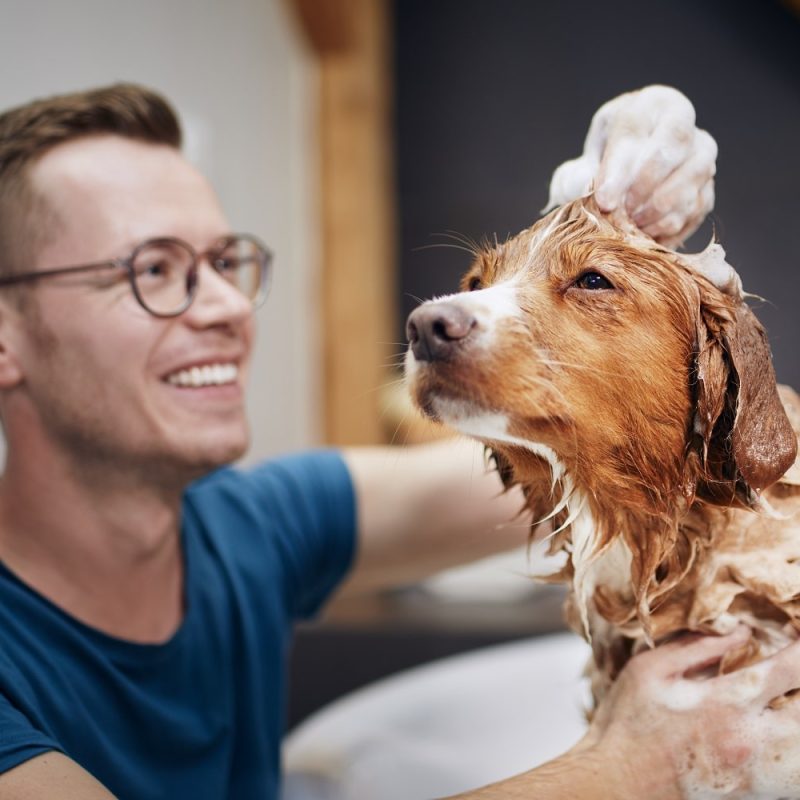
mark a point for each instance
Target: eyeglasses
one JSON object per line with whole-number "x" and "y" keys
{"x": 163, "y": 272}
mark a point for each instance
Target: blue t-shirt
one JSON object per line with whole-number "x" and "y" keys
{"x": 200, "y": 716}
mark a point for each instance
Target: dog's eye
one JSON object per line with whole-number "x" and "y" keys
{"x": 593, "y": 281}
{"x": 474, "y": 283}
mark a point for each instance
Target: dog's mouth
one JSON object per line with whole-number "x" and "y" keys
{"x": 442, "y": 368}
{"x": 438, "y": 398}
{"x": 442, "y": 394}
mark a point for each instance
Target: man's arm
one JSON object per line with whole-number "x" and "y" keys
{"x": 424, "y": 508}
{"x": 51, "y": 775}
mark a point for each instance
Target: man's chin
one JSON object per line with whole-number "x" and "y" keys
{"x": 205, "y": 457}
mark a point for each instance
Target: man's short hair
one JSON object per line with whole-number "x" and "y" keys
{"x": 27, "y": 132}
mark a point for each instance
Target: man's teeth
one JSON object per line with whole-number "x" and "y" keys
{"x": 207, "y": 375}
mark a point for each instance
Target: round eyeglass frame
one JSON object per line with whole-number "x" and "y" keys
{"x": 211, "y": 255}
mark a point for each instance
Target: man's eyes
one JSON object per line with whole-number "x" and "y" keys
{"x": 226, "y": 264}
{"x": 155, "y": 269}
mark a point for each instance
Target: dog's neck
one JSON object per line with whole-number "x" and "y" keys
{"x": 624, "y": 556}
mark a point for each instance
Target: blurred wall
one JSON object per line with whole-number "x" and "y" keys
{"x": 493, "y": 94}
{"x": 245, "y": 87}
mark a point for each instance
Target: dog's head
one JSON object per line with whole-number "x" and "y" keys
{"x": 584, "y": 344}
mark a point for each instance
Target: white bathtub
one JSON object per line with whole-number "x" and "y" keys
{"x": 445, "y": 727}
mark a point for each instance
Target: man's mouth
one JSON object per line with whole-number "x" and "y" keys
{"x": 206, "y": 375}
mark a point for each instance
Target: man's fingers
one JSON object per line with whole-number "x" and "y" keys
{"x": 650, "y": 135}
{"x": 678, "y": 193}
{"x": 615, "y": 138}
{"x": 643, "y": 152}
{"x": 704, "y": 203}
{"x": 571, "y": 180}
{"x": 671, "y": 145}
{"x": 667, "y": 230}
{"x": 783, "y": 672}
{"x": 597, "y": 137}
{"x": 616, "y": 170}
{"x": 692, "y": 654}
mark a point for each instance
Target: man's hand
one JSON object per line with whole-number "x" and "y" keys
{"x": 673, "y": 736}
{"x": 644, "y": 153}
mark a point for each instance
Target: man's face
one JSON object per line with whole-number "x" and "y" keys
{"x": 96, "y": 367}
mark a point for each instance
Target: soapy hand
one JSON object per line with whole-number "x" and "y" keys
{"x": 735, "y": 736}
{"x": 644, "y": 152}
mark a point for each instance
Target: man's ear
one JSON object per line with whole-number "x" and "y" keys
{"x": 744, "y": 440}
{"x": 10, "y": 369}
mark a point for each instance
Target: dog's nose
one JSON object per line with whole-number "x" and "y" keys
{"x": 435, "y": 330}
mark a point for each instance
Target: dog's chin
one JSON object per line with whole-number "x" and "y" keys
{"x": 462, "y": 415}
{"x": 441, "y": 406}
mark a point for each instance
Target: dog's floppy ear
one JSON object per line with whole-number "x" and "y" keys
{"x": 746, "y": 440}
{"x": 763, "y": 442}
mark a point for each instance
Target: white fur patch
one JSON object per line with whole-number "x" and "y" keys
{"x": 543, "y": 232}
{"x": 489, "y": 307}
{"x": 611, "y": 566}
{"x": 494, "y": 427}
{"x": 584, "y": 545}
{"x": 495, "y": 304}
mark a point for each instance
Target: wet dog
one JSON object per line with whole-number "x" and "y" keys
{"x": 629, "y": 390}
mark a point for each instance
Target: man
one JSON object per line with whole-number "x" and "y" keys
{"x": 144, "y": 620}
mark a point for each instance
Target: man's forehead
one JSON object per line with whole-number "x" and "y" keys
{"x": 108, "y": 161}
{"x": 116, "y": 191}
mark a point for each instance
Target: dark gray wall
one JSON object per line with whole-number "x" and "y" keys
{"x": 493, "y": 94}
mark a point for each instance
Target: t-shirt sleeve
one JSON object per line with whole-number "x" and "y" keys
{"x": 19, "y": 739}
{"x": 302, "y": 508}
{"x": 311, "y": 503}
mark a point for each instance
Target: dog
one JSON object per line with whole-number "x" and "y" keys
{"x": 629, "y": 390}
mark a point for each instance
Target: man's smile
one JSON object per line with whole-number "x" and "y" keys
{"x": 206, "y": 375}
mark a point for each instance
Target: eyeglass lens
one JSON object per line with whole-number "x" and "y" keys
{"x": 164, "y": 272}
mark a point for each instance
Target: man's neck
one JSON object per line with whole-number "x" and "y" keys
{"x": 105, "y": 549}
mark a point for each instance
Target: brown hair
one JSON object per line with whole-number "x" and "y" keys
{"x": 27, "y": 132}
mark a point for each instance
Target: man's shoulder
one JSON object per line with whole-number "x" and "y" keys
{"x": 286, "y": 466}
{"x": 310, "y": 469}
{"x": 282, "y": 496}
{"x": 292, "y": 517}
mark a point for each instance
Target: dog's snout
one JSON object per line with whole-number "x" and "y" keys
{"x": 434, "y": 330}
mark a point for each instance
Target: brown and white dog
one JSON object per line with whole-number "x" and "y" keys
{"x": 629, "y": 390}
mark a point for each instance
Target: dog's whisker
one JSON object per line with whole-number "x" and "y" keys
{"x": 381, "y": 387}
{"x": 448, "y": 245}
{"x": 388, "y": 385}
{"x": 464, "y": 239}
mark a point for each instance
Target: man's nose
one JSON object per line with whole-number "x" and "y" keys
{"x": 436, "y": 330}
{"x": 217, "y": 300}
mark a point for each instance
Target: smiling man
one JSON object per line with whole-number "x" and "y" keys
{"x": 147, "y": 591}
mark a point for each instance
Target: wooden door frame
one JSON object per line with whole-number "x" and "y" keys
{"x": 352, "y": 42}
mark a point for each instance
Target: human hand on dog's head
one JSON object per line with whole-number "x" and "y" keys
{"x": 644, "y": 155}
{"x": 672, "y": 735}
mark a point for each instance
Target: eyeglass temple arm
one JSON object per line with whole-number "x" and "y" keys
{"x": 8, "y": 280}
